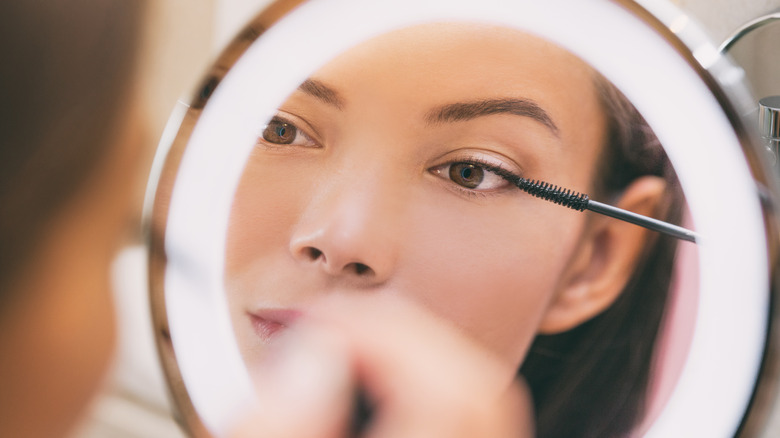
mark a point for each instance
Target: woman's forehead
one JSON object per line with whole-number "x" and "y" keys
{"x": 449, "y": 52}
{"x": 425, "y": 67}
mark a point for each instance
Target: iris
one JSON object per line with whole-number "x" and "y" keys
{"x": 279, "y": 132}
{"x": 467, "y": 175}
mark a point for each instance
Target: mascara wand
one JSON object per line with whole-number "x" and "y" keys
{"x": 580, "y": 202}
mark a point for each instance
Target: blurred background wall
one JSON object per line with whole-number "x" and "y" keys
{"x": 181, "y": 38}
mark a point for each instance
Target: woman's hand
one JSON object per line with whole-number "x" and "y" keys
{"x": 422, "y": 378}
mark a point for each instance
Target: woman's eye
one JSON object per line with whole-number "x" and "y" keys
{"x": 282, "y": 132}
{"x": 471, "y": 176}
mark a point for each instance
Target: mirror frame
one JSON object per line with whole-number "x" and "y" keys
{"x": 687, "y": 41}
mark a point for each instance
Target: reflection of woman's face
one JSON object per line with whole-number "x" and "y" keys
{"x": 374, "y": 178}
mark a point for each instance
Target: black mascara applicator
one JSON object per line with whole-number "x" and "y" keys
{"x": 581, "y": 202}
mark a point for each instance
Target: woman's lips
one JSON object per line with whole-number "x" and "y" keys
{"x": 267, "y": 322}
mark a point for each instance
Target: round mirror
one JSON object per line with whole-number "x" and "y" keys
{"x": 403, "y": 149}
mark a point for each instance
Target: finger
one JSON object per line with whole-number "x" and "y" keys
{"x": 304, "y": 388}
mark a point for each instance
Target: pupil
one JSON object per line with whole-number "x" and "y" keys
{"x": 466, "y": 173}
{"x": 281, "y": 131}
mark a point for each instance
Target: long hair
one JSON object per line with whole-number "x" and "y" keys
{"x": 592, "y": 381}
{"x": 66, "y": 70}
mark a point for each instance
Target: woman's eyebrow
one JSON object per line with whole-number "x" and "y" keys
{"x": 460, "y": 111}
{"x": 322, "y": 92}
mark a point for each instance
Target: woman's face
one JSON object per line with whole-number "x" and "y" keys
{"x": 374, "y": 178}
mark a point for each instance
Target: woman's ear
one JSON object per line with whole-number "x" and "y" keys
{"x": 604, "y": 261}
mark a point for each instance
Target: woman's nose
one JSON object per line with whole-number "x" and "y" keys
{"x": 350, "y": 233}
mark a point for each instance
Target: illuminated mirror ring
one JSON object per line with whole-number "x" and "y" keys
{"x": 207, "y": 143}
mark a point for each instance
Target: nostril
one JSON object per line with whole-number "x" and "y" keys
{"x": 313, "y": 253}
{"x": 361, "y": 269}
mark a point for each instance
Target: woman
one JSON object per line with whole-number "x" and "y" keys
{"x": 68, "y": 165}
{"x": 382, "y": 175}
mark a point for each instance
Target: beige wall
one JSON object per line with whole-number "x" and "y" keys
{"x": 721, "y": 17}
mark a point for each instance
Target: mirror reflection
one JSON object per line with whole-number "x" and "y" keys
{"x": 384, "y": 173}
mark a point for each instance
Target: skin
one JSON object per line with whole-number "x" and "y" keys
{"x": 362, "y": 203}
{"x": 61, "y": 328}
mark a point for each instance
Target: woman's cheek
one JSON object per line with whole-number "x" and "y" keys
{"x": 267, "y": 203}
{"x": 499, "y": 304}
{"x": 493, "y": 280}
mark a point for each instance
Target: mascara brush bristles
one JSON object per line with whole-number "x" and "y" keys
{"x": 549, "y": 192}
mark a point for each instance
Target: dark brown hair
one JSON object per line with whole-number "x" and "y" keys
{"x": 592, "y": 381}
{"x": 66, "y": 68}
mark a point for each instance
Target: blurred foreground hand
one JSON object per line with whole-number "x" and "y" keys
{"x": 422, "y": 378}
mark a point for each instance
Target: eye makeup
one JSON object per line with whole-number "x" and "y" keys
{"x": 581, "y": 202}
